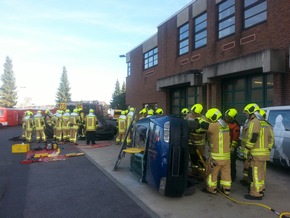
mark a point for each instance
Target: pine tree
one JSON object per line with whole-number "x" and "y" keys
{"x": 8, "y": 93}
{"x": 63, "y": 92}
{"x": 119, "y": 97}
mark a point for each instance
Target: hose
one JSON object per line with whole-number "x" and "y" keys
{"x": 281, "y": 215}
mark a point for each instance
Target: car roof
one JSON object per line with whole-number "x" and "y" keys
{"x": 277, "y": 108}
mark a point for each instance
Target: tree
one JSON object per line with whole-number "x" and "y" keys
{"x": 119, "y": 97}
{"x": 8, "y": 93}
{"x": 63, "y": 92}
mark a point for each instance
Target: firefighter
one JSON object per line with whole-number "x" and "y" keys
{"x": 197, "y": 137}
{"x": 65, "y": 126}
{"x": 142, "y": 113}
{"x": 39, "y": 127}
{"x": 150, "y": 113}
{"x": 258, "y": 140}
{"x": 57, "y": 120}
{"x": 219, "y": 158}
{"x": 49, "y": 128}
{"x": 90, "y": 127}
{"x": 129, "y": 118}
{"x": 122, "y": 127}
{"x": 159, "y": 111}
{"x": 184, "y": 112}
{"x": 81, "y": 131}
{"x": 28, "y": 126}
{"x": 74, "y": 121}
{"x": 230, "y": 118}
{"x": 25, "y": 116}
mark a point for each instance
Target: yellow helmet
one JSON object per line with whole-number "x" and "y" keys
{"x": 150, "y": 112}
{"x": 213, "y": 114}
{"x": 197, "y": 108}
{"x": 232, "y": 113}
{"x": 184, "y": 111}
{"x": 263, "y": 113}
{"x": 123, "y": 112}
{"x": 67, "y": 110}
{"x": 143, "y": 111}
{"x": 91, "y": 110}
{"x": 39, "y": 112}
{"x": 159, "y": 111}
{"x": 75, "y": 110}
{"x": 251, "y": 108}
{"x": 132, "y": 109}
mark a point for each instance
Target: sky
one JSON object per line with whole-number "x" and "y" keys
{"x": 85, "y": 36}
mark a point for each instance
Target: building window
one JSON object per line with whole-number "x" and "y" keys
{"x": 183, "y": 39}
{"x": 200, "y": 32}
{"x": 128, "y": 68}
{"x": 151, "y": 58}
{"x": 226, "y": 18}
{"x": 255, "y": 12}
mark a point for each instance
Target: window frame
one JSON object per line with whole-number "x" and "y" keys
{"x": 201, "y": 30}
{"x": 226, "y": 18}
{"x": 251, "y": 6}
{"x": 150, "y": 58}
{"x": 184, "y": 39}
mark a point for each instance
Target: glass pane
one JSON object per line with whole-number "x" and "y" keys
{"x": 200, "y": 35}
{"x": 175, "y": 94}
{"x": 175, "y": 101}
{"x": 226, "y": 31}
{"x": 256, "y": 19}
{"x": 255, "y": 10}
{"x": 183, "y": 35}
{"x": 249, "y": 2}
{"x": 270, "y": 95}
{"x": 240, "y": 84}
{"x": 200, "y": 26}
{"x": 227, "y": 23}
{"x": 257, "y": 95}
{"x": 257, "y": 82}
{"x": 228, "y": 86}
{"x": 228, "y": 97}
{"x": 227, "y": 13}
{"x": 226, "y": 4}
{"x": 200, "y": 43}
{"x": 240, "y": 96}
{"x": 270, "y": 80}
{"x": 201, "y": 18}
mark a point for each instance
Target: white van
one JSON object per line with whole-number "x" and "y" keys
{"x": 279, "y": 118}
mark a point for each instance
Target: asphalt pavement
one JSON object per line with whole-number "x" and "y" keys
{"x": 88, "y": 186}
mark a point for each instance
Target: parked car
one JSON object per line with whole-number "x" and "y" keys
{"x": 279, "y": 118}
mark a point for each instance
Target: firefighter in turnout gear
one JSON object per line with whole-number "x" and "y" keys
{"x": 219, "y": 158}
{"x": 82, "y": 132}
{"x": 74, "y": 121}
{"x": 122, "y": 128}
{"x": 90, "y": 127}
{"x": 65, "y": 126}
{"x": 57, "y": 120}
{"x": 197, "y": 137}
{"x": 129, "y": 118}
{"x": 39, "y": 127}
{"x": 257, "y": 139}
{"x": 29, "y": 126}
{"x": 230, "y": 118}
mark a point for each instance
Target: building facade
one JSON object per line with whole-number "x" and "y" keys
{"x": 220, "y": 53}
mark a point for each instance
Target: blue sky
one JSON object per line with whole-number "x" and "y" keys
{"x": 85, "y": 36}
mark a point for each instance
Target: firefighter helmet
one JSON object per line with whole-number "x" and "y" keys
{"x": 67, "y": 111}
{"x": 251, "y": 108}
{"x": 39, "y": 112}
{"x": 184, "y": 111}
{"x": 91, "y": 111}
{"x": 123, "y": 112}
{"x": 75, "y": 110}
{"x": 213, "y": 114}
{"x": 159, "y": 111}
{"x": 150, "y": 112}
{"x": 197, "y": 108}
{"x": 143, "y": 111}
{"x": 132, "y": 109}
{"x": 232, "y": 113}
{"x": 263, "y": 113}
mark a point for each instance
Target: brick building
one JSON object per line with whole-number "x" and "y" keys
{"x": 221, "y": 53}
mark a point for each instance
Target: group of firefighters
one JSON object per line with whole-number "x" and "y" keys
{"x": 223, "y": 137}
{"x": 63, "y": 126}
